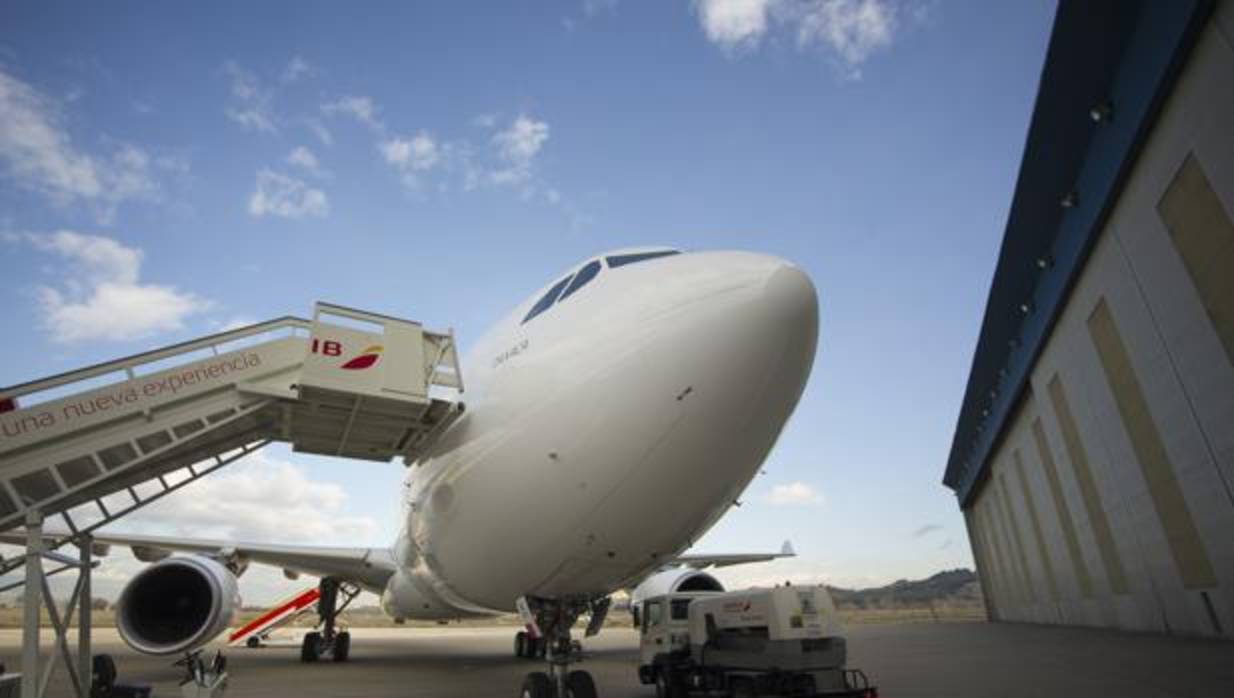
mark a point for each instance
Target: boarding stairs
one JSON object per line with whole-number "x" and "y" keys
{"x": 117, "y": 435}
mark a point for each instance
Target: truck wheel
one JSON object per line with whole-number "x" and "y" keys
{"x": 537, "y": 685}
{"x": 580, "y": 685}
{"x": 742, "y": 688}
{"x": 666, "y": 684}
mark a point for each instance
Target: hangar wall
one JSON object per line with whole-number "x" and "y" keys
{"x": 1109, "y": 498}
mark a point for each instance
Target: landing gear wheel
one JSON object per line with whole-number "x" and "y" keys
{"x": 580, "y": 685}
{"x": 253, "y": 642}
{"x": 310, "y": 649}
{"x": 541, "y": 648}
{"x": 520, "y": 645}
{"x": 537, "y": 685}
{"x": 342, "y": 646}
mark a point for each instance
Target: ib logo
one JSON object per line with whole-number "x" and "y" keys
{"x": 363, "y": 360}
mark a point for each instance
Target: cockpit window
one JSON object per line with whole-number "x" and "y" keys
{"x": 587, "y": 273}
{"x": 621, "y": 260}
{"x": 546, "y": 301}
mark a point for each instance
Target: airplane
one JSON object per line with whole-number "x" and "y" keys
{"x": 613, "y": 417}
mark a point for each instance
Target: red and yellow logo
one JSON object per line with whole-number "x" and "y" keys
{"x": 366, "y": 358}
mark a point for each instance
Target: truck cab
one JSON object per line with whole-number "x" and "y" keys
{"x": 664, "y": 625}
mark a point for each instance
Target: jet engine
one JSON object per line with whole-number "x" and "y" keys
{"x": 673, "y": 580}
{"x": 177, "y": 605}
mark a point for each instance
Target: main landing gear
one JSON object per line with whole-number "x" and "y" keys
{"x": 550, "y": 621}
{"x": 327, "y": 641}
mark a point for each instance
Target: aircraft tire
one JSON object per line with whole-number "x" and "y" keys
{"x": 579, "y": 684}
{"x": 537, "y": 685}
{"x": 520, "y": 645}
{"x": 310, "y": 649}
{"x": 342, "y": 646}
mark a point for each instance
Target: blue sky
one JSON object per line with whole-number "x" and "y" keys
{"x": 170, "y": 169}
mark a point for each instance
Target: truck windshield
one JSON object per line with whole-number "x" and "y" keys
{"x": 654, "y": 613}
{"x": 681, "y": 609}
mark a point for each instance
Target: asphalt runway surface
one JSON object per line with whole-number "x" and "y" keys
{"x": 924, "y": 659}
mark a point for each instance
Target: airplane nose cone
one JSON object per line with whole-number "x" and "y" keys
{"x": 791, "y": 303}
{"x": 787, "y": 319}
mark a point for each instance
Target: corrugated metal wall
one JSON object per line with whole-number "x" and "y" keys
{"x": 1110, "y": 499}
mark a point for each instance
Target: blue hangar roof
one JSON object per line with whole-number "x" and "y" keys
{"x": 1109, "y": 67}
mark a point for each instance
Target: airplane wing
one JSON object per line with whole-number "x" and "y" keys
{"x": 699, "y": 562}
{"x": 368, "y": 567}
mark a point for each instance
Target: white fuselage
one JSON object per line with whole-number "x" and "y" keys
{"x": 605, "y": 435}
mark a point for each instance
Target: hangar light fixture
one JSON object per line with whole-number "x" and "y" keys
{"x": 1026, "y": 308}
{"x": 1044, "y": 262}
{"x": 1101, "y": 112}
{"x": 1070, "y": 199}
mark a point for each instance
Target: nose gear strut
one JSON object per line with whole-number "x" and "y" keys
{"x": 551, "y": 620}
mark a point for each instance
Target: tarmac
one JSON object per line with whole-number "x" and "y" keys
{"x": 920, "y": 659}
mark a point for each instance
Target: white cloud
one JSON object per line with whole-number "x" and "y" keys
{"x": 250, "y": 105}
{"x": 853, "y": 29}
{"x": 254, "y": 500}
{"x": 286, "y": 197}
{"x": 522, "y": 140}
{"x": 319, "y": 129}
{"x": 794, "y": 494}
{"x": 418, "y": 153}
{"x": 517, "y": 146}
{"x": 594, "y": 7}
{"x": 298, "y": 68}
{"x": 850, "y": 30}
{"x": 302, "y": 157}
{"x": 101, "y": 296}
{"x": 38, "y": 154}
{"x": 362, "y": 109}
{"x": 734, "y": 24}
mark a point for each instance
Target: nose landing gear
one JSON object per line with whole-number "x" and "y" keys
{"x": 551, "y": 621}
{"x": 328, "y": 641}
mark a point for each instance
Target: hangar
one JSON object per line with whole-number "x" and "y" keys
{"x": 1093, "y": 456}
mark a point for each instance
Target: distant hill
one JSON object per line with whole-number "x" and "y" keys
{"x": 949, "y": 587}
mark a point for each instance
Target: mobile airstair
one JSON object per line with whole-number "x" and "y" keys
{"x": 92, "y": 445}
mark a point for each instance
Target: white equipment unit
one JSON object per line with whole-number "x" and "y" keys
{"x": 781, "y": 641}
{"x": 95, "y": 444}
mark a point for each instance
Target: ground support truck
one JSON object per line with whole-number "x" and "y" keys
{"x": 784, "y": 641}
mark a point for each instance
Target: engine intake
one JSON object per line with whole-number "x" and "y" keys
{"x": 673, "y": 580}
{"x": 176, "y": 605}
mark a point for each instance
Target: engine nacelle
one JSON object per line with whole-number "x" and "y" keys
{"x": 177, "y": 605}
{"x": 407, "y": 596}
{"x": 674, "y": 580}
